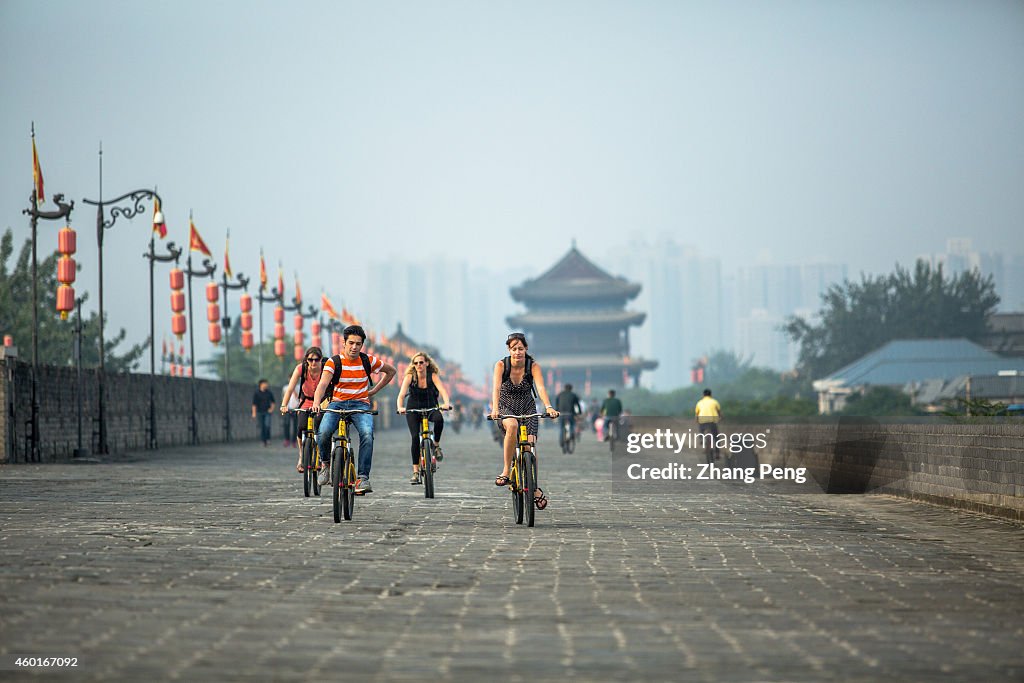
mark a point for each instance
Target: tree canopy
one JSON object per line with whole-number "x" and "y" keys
{"x": 859, "y": 317}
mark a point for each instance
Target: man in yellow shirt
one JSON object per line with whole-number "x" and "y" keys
{"x": 708, "y": 413}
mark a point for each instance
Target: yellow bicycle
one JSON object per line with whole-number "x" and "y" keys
{"x": 343, "y": 465}
{"x": 428, "y": 451}
{"x": 310, "y": 455}
{"x": 522, "y": 473}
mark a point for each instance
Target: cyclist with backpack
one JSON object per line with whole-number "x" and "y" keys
{"x": 346, "y": 381}
{"x": 518, "y": 382}
{"x": 304, "y": 380}
{"x": 424, "y": 388}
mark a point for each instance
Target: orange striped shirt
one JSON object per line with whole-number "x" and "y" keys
{"x": 353, "y": 384}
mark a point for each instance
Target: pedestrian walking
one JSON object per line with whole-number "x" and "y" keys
{"x": 262, "y": 405}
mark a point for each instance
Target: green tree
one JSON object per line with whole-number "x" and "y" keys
{"x": 245, "y": 365}
{"x": 857, "y": 318}
{"x": 56, "y": 336}
{"x": 725, "y": 367}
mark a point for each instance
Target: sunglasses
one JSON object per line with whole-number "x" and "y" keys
{"x": 419, "y": 362}
{"x": 313, "y": 359}
{"x": 516, "y": 335}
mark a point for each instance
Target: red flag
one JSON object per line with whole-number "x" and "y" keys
{"x": 298, "y": 291}
{"x": 263, "y": 271}
{"x": 195, "y": 242}
{"x": 227, "y": 263}
{"x": 37, "y": 172}
{"x": 280, "y": 281}
{"x": 327, "y": 307}
{"x": 159, "y": 227}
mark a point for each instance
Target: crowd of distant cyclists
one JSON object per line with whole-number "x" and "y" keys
{"x": 326, "y": 390}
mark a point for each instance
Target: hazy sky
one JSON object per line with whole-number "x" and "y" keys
{"x": 864, "y": 132}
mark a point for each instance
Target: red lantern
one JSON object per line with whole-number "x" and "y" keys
{"x": 247, "y": 340}
{"x": 178, "y": 324}
{"x": 298, "y": 351}
{"x": 279, "y": 348}
{"x": 314, "y": 328}
{"x": 279, "y": 315}
{"x": 212, "y": 292}
{"x": 299, "y": 321}
{"x": 65, "y": 270}
{"x": 335, "y": 344}
{"x": 213, "y": 313}
{"x": 245, "y": 303}
{"x": 279, "y": 331}
{"x": 188, "y": 371}
{"x": 177, "y": 302}
{"x": 66, "y": 241}
{"x": 300, "y": 338}
{"x": 245, "y": 320}
{"x": 177, "y": 278}
{"x": 215, "y": 333}
{"x": 65, "y": 300}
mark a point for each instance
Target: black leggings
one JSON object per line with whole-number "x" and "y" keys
{"x": 413, "y": 419}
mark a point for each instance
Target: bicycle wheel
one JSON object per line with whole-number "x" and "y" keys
{"x": 427, "y": 467}
{"x": 570, "y": 444}
{"x": 348, "y": 485}
{"x": 307, "y": 455}
{"x": 314, "y": 471}
{"x": 515, "y": 486}
{"x": 337, "y": 465}
{"x": 529, "y": 486}
{"x": 613, "y": 433}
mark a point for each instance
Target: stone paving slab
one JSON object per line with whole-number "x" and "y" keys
{"x": 208, "y": 564}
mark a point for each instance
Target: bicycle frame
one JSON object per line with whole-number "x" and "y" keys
{"x": 523, "y": 470}
{"x": 343, "y": 468}
{"x": 427, "y": 462}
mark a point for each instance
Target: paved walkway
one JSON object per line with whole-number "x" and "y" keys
{"x": 208, "y": 564}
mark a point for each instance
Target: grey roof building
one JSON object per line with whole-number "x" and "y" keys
{"x": 928, "y": 365}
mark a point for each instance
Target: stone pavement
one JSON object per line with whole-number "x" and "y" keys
{"x": 208, "y": 564}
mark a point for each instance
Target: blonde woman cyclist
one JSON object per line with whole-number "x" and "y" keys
{"x": 423, "y": 388}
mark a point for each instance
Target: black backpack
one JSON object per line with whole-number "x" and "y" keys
{"x": 329, "y": 392}
{"x": 527, "y": 376}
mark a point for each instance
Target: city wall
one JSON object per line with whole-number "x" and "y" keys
{"x": 975, "y": 465}
{"x": 127, "y": 410}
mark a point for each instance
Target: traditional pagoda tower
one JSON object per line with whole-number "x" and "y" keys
{"x": 578, "y": 326}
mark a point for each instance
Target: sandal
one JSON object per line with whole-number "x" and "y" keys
{"x": 502, "y": 480}
{"x": 540, "y": 501}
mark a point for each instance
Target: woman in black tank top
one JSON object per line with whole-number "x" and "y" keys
{"x": 424, "y": 389}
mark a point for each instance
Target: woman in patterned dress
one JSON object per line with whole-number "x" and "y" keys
{"x": 514, "y": 396}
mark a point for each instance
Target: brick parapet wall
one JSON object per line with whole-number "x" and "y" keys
{"x": 127, "y": 410}
{"x": 977, "y": 466}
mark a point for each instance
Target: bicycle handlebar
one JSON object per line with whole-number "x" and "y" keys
{"x": 423, "y": 410}
{"x": 350, "y": 411}
{"x": 521, "y": 417}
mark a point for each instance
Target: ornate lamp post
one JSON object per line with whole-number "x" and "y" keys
{"x": 62, "y": 211}
{"x": 134, "y": 207}
{"x": 173, "y": 254}
{"x": 275, "y": 297}
{"x": 241, "y": 282}
{"x": 208, "y": 268}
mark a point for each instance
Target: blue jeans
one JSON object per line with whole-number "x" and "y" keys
{"x": 363, "y": 424}
{"x": 263, "y": 419}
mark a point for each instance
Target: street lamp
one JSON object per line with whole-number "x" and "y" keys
{"x": 173, "y": 254}
{"x": 275, "y": 297}
{"x": 62, "y": 211}
{"x": 208, "y": 268}
{"x": 133, "y": 208}
{"x": 241, "y": 282}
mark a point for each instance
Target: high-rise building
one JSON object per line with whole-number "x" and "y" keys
{"x": 682, "y": 293}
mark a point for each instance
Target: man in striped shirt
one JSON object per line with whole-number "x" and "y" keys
{"x": 352, "y": 391}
